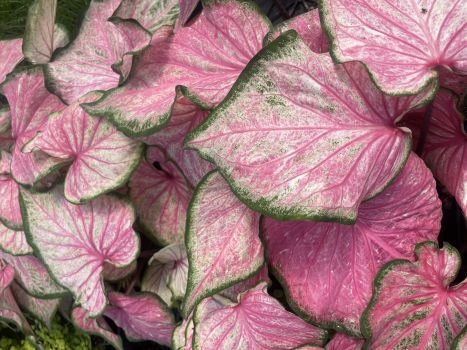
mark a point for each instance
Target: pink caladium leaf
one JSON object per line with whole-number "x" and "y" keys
{"x": 308, "y": 26}
{"x": 74, "y": 241}
{"x": 5, "y": 120}
{"x": 233, "y": 292}
{"x": 401, "y": 43}
{"x": 321, "y": 164}
{"x": 222, "y": 241}
{"x": 10, "y": 213}
{"x": 142, "y": 317}
{"x": 460, "y": 342}
{"x": 96, "y": 326}
{"x": 182, "y": 337}
{"x": 7, "y": 273}
{"x": 11, "y": 313}
{"x": 33, "y": 276}
{"x": 13, "y": 242}
{"x": 455, "y": 82}
{"x": 102, "y": 158}
{"x": 256, "y": 321}
{"x": 160, "y": 194}
{"x": 43, "y": 309}
{"x": 42, "y": 35}
{"x": 204, "y": 57}
{"x": 151, "y": 14}
{"x": 327, "y": 269}
{"x": 185, "y": 117}
{"x": 186, "y": 9}
{"x": 445, "y": 147}
{"x": 112, "y": 273}
{"x": 87, "y": 64}
{"x": 167, "y": 273}
{"x": 30, "y": 105}
{"x": 10, "y": 56}
{"x": 344, "y": 342}
{"x": 414, "y": 305}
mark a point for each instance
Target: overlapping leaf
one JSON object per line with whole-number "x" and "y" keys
{"x": 222, "y": 241}
{"x": 257, "y": 321}
{"x": 204, "y": 57}
{"x": 5, "y": 120}
{"x": 160, "y": 194}
{"x": 10, "y": 213}
{"x": 182, "y": 337}
{"x": 460, "y": 342}
{"x": 75, "y": 241}
{"x": 13, "y": 242}
{"x": 186, "y": 9}
{"x": 401, "y": 43}
{"x": 142, "y": 317}
{"x": 414, "y": 305}
{"x": 302, "y": 138}
{"x": 101, "y": 157}
{"x": 233, "y": 292}
{"x": 343, "y": 342}
{"x": 112, "y": 273}
{"x": 99, "y": 57}
{"x": 10, "y": 56}
{"x": 327, "y": 269}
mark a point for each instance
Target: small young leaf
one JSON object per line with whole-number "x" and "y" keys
{"x": 222, "y": 241}
{"x": 10, "y": 56}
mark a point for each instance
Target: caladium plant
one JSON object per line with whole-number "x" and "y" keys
{"x": 205, "y": 180}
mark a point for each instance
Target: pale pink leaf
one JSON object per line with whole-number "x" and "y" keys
{"x": 7, "y": 273}
{"x": 86, "y": 64}
{"x": 42, "y": 36}
{"x": 257, "y": 321}
{"x": 10, "y": 56}
{"x": 327, "y": 269}
{"x": 402, "y": 43}
{"x": 112, "y": 273}
{"x": 414, "y": 305}
{"x": 160, "y": 194}
{"x": 96, "y": 326}
{"x": 151, "y": 14}
{"x": 233, "y": 292}
{"x": 142, "y": 317}
{"x": 222, "y": 241}
{"x": 101, "y": 157}
{"x": 30, "y": 106}
{"x": 10, "y": 312}
{"x": 13, "y": 242}
{"x": 75, "y": 241}
{"x": 205, "y": 57}
{"x": 10, "y": 213}
{"x": 167, "y": 273}
{"x": 342, "y": 341}
{"x": 33, "y": 276}
{"x": 185, "y": 116}
{"x": 299, "y": 137}
{"x": 460, "y": 342}
{"x": 186, "y": 9}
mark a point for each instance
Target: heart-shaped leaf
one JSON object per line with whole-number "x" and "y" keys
{"x": 87, "y": 64}
{"x": 301, "y": 138}
{"x": 142, "y": 317}
{"x": 10, "y": 56}
{"x": 96, "y": 326}
{"x": 257, "y": 321}
{"x": 151, "y": 14}
{"x": 167, "y": 273}
{"x": 185, "y": 116}
{"x": 327, "y": 268}
{"x": 401, "y": 43}
{"x": 414, "y": 305}
{"x": 29, "y": 113}
{"x": 343, "y": 342}
{"x": 160, "y": 194}
{"x": 75, "y": 241}
{"x": 41, "y": 36}
{"x": 222, "y": 241}
{"x": 204, "y": 57}
{"x": 102, "y": 158}
{"x": 13, "y": 242}
{"x": 186, "y": 9}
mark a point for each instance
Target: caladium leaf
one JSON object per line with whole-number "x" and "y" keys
{"x": 10, "y": 312}
{"x": 308, "y": 26}
{"x": 10, "y": 213}
{"x": 343, "y": 342}
{"x": 96, "y": 326}
{"x": 340, "y": 261}
{"x": 222, "y": 241}
{"x": 457, "y": 83}
{"x": 86, "y": 64}
{"x": 151, "y": 14}
{"x": 42, "y": 36}
{"x": 75, "y": 241}
{"x": 257, "y": 321}
{"x": 142, "y": 317}
{"x": 233, "y": 292}
{"x": 5, "y": 120}
{"x": 167, "y": 273}
{"x": 203, "y": 57}
{"x": 413, "y": 304}
{"x": 29, "y": 112}
{"x": 185, "y": 116}
{"x": 10, "y": 56}
{"x": 32, "y": 275}
{"x": 13, "y": 242}
{"x": 400, "y": 43}
{"x": 112, "y": 273}
{"x": 322, "y": 163}
{"x": 101, "y": 157}
{"x": 160, "y": 194}
{"x": 43, "y": 309}
{"x": 445, "y": 147}
{"x": 7, "y": 273}
{"x": 186, "y": 9}
{"x": 182, "y": 337}
{"x": 460, "y": 342}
